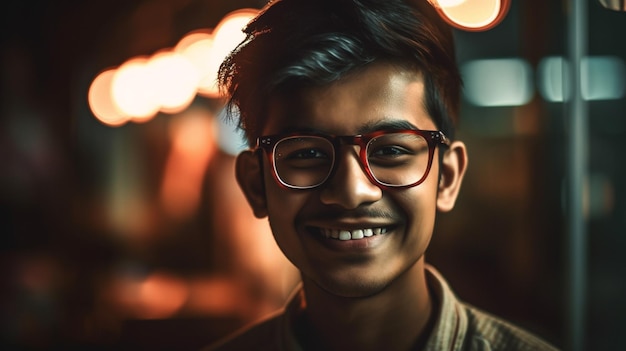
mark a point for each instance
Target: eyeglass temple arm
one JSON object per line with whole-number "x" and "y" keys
{"x": 440, "y": 138}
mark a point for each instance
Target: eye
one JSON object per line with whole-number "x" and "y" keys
{"x": 397, "y": 149}
{"x": 389, "y": 151}
{"x": 304, "y": 159}
{"x": 390, "y": 156}
{"x": 305, "y": 154}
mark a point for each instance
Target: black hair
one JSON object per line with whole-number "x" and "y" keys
{"x": 298, "y": 43}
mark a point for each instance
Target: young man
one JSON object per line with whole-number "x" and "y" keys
{"x": 350, "y": 107}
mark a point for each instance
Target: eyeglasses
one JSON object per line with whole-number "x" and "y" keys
{"x": 390, "y": 158}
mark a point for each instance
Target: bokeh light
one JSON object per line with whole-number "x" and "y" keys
{"x": 472, "y": 15}
{"x": 498, "y": 82}
{"x": 101, "y": 101}
{"x": 197, "y": 48}
{"x": 169, "y": 80}
{"x": 602, "y": 78}
{"x": 615, "y": 5}
{"x": 176, "y": 81}
{"x": 192, "y": 135}
{"x": 191, "y": 38}
{"x": 227, "y": 35}
{"x": 156, "y": 295}
{"x": 133, "y": 90}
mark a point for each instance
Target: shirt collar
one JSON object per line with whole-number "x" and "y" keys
{"x": 451, "y": 323}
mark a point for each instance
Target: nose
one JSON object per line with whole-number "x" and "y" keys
{"x": 349, "y": 186}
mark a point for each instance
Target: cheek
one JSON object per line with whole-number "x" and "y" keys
{"x": 283, "y": 208}
{"x": 282, "y": 204}
{"x": 420, "y": 208}
{"x": 420, "y": 204}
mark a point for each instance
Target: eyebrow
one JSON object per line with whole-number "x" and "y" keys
{"x": 289, "y": 130}
{"x": 385, "y": 124}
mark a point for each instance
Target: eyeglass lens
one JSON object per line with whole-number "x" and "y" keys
{"x": 394, "y": 159}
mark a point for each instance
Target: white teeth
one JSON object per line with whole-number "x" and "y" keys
{"x": 352, "y": 234}
{"x": 357, "y": 234}
{"x": 345, "y": 235}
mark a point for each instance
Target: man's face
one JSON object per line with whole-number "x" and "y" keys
{"x": 401, "y": 220}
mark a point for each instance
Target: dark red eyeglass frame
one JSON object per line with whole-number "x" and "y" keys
{"x": 433, "y": 138}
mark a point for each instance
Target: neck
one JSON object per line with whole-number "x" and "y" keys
{"x": 397, "y": 318}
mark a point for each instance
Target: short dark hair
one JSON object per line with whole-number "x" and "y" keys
{"x": 298, "y": 43}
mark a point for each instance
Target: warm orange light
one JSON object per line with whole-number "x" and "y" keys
{"x": 155, "y": 296}
{"x": 227, "y": 35}
{"x": 472, "y": 15}
{"x": 162, "y": 295}
{"x": 169, "y": 80}
{"x": 176, "y": 81}
{"x": 133, "y": 90}
{"x": 216, "y": 296}
{"x": 450, "y": 3}
{"x": 101, "y": 101}
{"x": 197, "y": 47}
{"x": 193, "y": 143}
{"x": 192, "y": 38}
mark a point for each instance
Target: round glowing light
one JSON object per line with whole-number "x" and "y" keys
{"x": 227, "y": 35}
{"x": 162, "y": 295}
{"x": 450, "y": 3}
{"x": 192, "y": 38}
{"x": 472, "y": 15}
{"x": 133, "y": 90}
{"x": 176, "y": 81}
{"x": 198, "y": 49}
{"x": 101, "y": 101}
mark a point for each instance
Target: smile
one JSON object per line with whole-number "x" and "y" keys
{"x": 356, "y": 234}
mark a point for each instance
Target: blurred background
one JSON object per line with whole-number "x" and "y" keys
{"x": 123, "y": 228}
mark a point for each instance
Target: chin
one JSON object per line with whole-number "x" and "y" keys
{"x": 354, "y": 287}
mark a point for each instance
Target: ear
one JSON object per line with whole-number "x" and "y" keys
{"x": 249, "y": 173}
{"x": 453, "y": 166}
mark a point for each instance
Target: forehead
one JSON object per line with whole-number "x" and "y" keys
{"x": 379, "y": 94}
